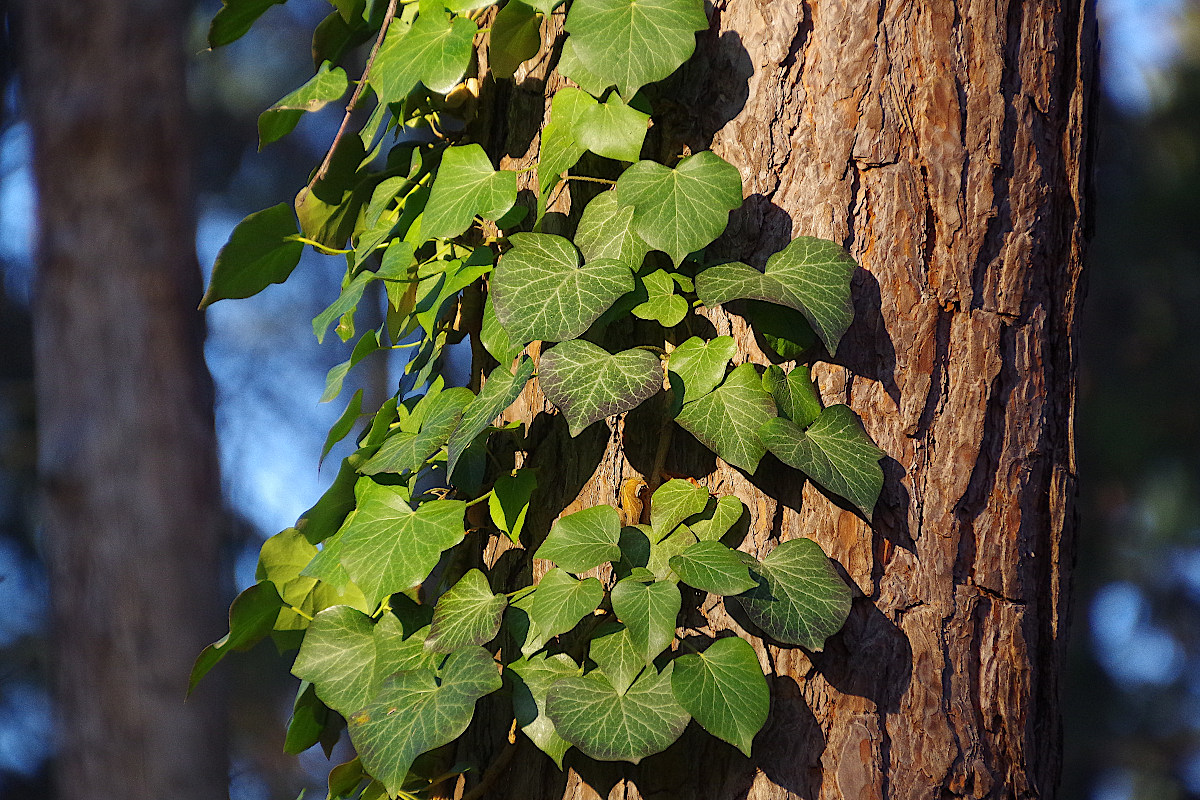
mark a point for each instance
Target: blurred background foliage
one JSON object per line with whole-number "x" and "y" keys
{"x": 1132, "y": 698}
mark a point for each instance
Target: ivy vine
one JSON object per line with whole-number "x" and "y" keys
{"x": 398, "y": 635}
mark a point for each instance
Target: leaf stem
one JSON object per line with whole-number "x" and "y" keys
{"x": 329, "y": 251}
{"x": 592, "y": 180}
{"x": 481, "y": 498}
{"x": 302, "y": 613}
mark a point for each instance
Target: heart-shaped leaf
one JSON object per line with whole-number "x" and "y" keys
{"x": 725, "y": 690}
{"x": 509, "y": 502}
{"x": 251, "y": 617}
{"x": 388, "y": 547}
{"x": 540, "y": 291}
{"x": 795, "y": 395}
{"x": 559, "y": 147}
{"x": 468, "y": 614}
{"x": 725, "y": 515}
{"x": 516, "y": 37}
{"x": 662, "y": 304}
{"x": 700, "y": 366}
{"x": 435, "y": 51}
{"x": 834, "y": 451}
{"x": 662, "y": 552}
{"x": 810, "y": 275}
{"x": 684, "y": 209}
{"x": 571, "y": 67}
{"x": 634, "y": 42}
{"x": 560, "y": 601}
{"x": 323, "y": 88}
{"x": 606, "y": 231}
{"x": 498, "y": 393}
{"x": 466, "y": 185}
{"x": 532, "y": 678}
{"x": 419, "y": 710}
{"x": 618, "y": 657}
{"x": 260, "y": 251}
{"x": 612, "y": 129}
{"x": 585, "y": 539}
{"x": 727, "y": 420}
{"x": 404, "y": 452}
{"x": 672, "y": 503}
{"x": 712, "y": 567}
{"x": 587, "y": 383}
{"x": 799, "y": 599}
{"x": 589, "y": 713}
{"x": 649, "y": 612}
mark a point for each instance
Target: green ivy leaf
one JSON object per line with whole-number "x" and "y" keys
{"x": 572, "y": 68}
{"x": 417, "y": 711}
{"x": 699, "y": 365}
{"x": 725, "y": 690}
{"x": 368, "y": 344}
{"x": 672, "y": 503}
{"x": 684, "y": 209}
{"x": 541, "y": 292}
{"x": 499, "y": 392}
{"x": 334, "y": 36}
{"x": 260, "y": 251}
{"x": 590, "y": 714}
{"x": 344, "y": 424}
{"x": 612, "y": 129}
{"x": 810, "y": 275}
{"x": 561, "y": 601}
{"x": 388, "y": 547}
{"x": 662, "y": 552}
{"x": 712, "y": 567}
{"x": 585, "y": 539}
{"x": 251, "y": 617}
{"x": 588, "y": 384}
{"x": 725, "y": 515}
{"x": 662, "y": 304}
{"x": 649, "y": 612}
{"x": 784, "y": 330}
{"x": 728, "y": 419}
{"x": 435, "y": 51}
{"x": 617, "y": 657}
{"x": 634, "y": 42}
{"x": 795, "y": 395}
{"x": 404, "y": 452}
{"x": 606, "y": 231}
{"x": 834, "y": 451}
{"x": 308, "y": 721}
{"x": 468, "y": 614}
{"x": 799, "y": 599}
{"x": 509, "y": 502}
{"x": 235, "y": 18}
{"x": 494, "y": 338}
{"x": 320, "y": 90}
{"x": 466, "y": 185}
{"x": 516, "y": 37}
{"x": 532, "y": 678}
{"x": 559, "y": 148}
{"x": 346, "y": 302}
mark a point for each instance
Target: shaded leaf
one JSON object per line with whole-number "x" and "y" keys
{"x": 662, "y": 304}
{"x": 725, "y": 690}
{"x": 585, "y": 539}
{"x": 516, "y": 37}
{"x": 700, "y": 366}
{"x": 404, "y": 452}
{"x": 320, "y": 90}
{"x": 532, "y": 678}
{"x": 649, "y": 612}
{"x": 559, "y": 148}
{"x": 727, "y": 420}
{"x": 368, "y": 344}
{"x": 468, "y": 614}
{"x": 587, "y": 383}
{"x": 499, "y": 392}
{"x": 344, "y": 424}
{"x": 251, "y": 617}
{"x": 509, "y": 502}
{"x": 561, "y": 601}
{"x": 235, "y": 18}
{"x": 725, "y": 515}
{"x": 259, "y": 252}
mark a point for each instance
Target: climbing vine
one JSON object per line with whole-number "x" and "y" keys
{"x": 399, "y": 624}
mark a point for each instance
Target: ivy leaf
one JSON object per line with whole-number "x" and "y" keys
{"x": 540, "y": 291}
{"x": 561, "y": 601}
{"x": 834, "y": 451}
{"x": 499, "y": 392}
{"x": 590, "y": 714}
{"x": 516, "y": 37}
{"x": 344, "y": 424}
{"x": 712, "y": 567}
{"x": 672, "y": 503}
{"x": 572, "y": 68}
{"x": 468, "y": 614}
{"x": 388, "y": 547}
{"x": 699, "y": 365}
{"x": 435, "y": 51}
{"x": 347, "y": 300}
{"x": 308, "y": 721}
{"x": 588, "y": 384}
{"x": 403, "y": 452}
{"x": 662, "y": 304}
{"x": 784, "y": 330}
{"x": 559, "y": 148}
{"x": 725, "y": 690}
{"x": 795, "y": 395}
{"x": 606, "y": 231}
{"x": 810, "y": 275}
{"x": 799, "y": 599}
{"x": 618, "y": 658}
{"x": 417, "y": 711}
{"x": 466, "y": 185}
{"x": 612, "y": 129}
{"x": 251, "y": 617}
{"x": 260, "y": 251}
{"x": 726, "y": 514}
{"x": 649, "y": 612}
{"x": 681, "y": 210}
{"x": 509, "y": 502}
{"x": 494, "y": 338}
{"x": 662, "y": 552}
{"x": 634, "y": 42}
{"x": 728, "y": 419}
{"x": 323, "y": 88}
{"x": 235, "y": 18}
{"x": 585, "y": 539}
{"x": 532, "y": 678}
{"x": 368, "y": 344}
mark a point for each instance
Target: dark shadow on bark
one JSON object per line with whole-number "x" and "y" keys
{"x": 870, "y": 657}
{"x": 867, "y": 349}
{"x": 791, "y": 734}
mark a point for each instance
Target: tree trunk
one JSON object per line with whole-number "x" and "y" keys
{"x": 946, "y": 145}
{"x": 127, "y": 460}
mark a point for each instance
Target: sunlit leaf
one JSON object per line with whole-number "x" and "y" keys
{"x": 320, "y": 90}
{"x": 585, "y": 539}
{"x": 532, "y": 678}
{"x": 466, "y": 185}
{"x": 727, "y": 420}
{"x": 561, "y": 601}
{"x": 725, "y": 690}
{"x": 435, "y": 51}
{"x": 649, "y": 612}
{"x": 587, "y": 383}
{"x": 260, "y": 251}
{"x": 468, "y": 614}
{"x": 712, "y": 567}
{"x": 700, "y": 365}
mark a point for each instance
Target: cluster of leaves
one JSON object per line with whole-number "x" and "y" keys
{"x": 398, "y": 637}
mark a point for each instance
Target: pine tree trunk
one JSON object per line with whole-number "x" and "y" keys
{"x": 127, "y": 458}
{"x": 946, "y": 145}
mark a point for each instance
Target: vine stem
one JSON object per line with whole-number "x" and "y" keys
{"x": 323, "y": 170}
{"x": 497, "y": 767}
{"x": 592, "y": 180}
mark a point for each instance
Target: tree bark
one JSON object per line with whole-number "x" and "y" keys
{"x": 132, "y": 507}
{"x": 947, "y": 147}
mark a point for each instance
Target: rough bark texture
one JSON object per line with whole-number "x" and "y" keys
{"x": 946, "y": 145}
{"x": 126, "y": 452}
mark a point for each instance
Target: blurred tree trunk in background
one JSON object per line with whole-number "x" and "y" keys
{"x": 132, "y": 508}
{"x": 947, "y": 146}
